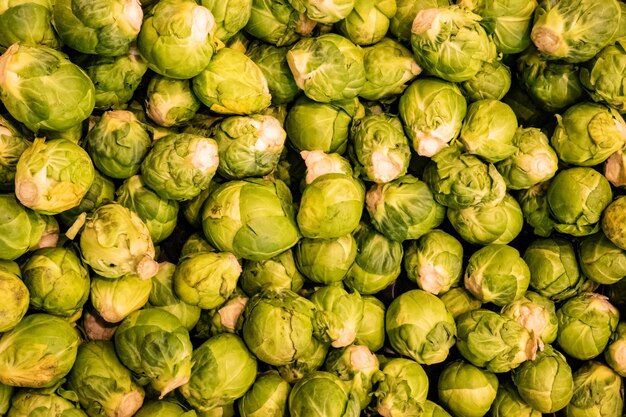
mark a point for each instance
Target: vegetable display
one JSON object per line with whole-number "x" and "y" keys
{"x": 312, "y": 208}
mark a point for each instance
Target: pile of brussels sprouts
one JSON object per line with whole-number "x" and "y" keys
{"x": 305, "y": 208}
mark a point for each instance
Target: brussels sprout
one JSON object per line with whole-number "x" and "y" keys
{"x": 338, "y": 400}
{"x": 170, "y": 102}
{"x": 328, "y": 67}
{"x": 53, "y": 345}
{"x": 57, "y": 281}
{"x": 228, "y": 318}
{"x": 432, "y": 111}
{"x": 159, "y": 214}
{"x": 600, "y": 260}
{"x": 53, "y": 176}
{"x": 162, "y": 296}
{"x": 158, "y": 408}
{"x": 266, "y": 398}
{"x": 100, "y": 27}
{"x": 13, "y": 145}
{"x": 403, "y": 209}
{"x": 615, "y": 353}
{"x": 588, "y": 133}
{"x": 577, "y": 197}
{"x": 118, "y": 144}
{"x": 419, "y": 326}
{"x": 21, "y": 228}
{"x": 493, "y": 341}
{"x": 321, "y": 126}
{"x": 232, "y": 84}
{"x": 41, "y": 88}
{"x": 389, "y": 66}
{"x": 179, "y": 166}
{"x": 536, "y": 314}
{"x": 274, "y": 273}
{"x": 371, "y": 330}
{"x": 597, "y": 391}
{"x": 460, "y": 180}
{"x": 115, "y": 78}
{"x": 402, "y": 389}
{"x": 230, "y": 16}
{"x": 545, "y": 383}
{"x": 331, "y": 206}
{"x": 155, "y": 346}
{"x": 497, "y": 274}
{"x": 248, "y": 146}
{"x": 277, "y": 22}
{"x": 492, "y": 81}
{"x": 319, "y": 163}
{"x": 380, "y": 148}
{"x": 465, "y": 390}
{"x": 273, "y": 317}
{"x": 508, "y": 22}
{"x": 459, "y": 301}
{"x": 103, "y": 385}
{"x": 613, "y": 222}
{"x": 115, "y": 242}
{"x": 488, "y": 130}
{"x": 102, "y": 191}
{"x": 602, "y": 76}
{"x": 533, "y": 161}
{"x": 223, "y": 370}
{"x": 377, "y": 264}
{"x": 508, "y": 403}
{"x": 586, "y": 323}
{"x": 573, "y": 30}
{"x": 325, "y": 261}
{"x": 553, "y": 85}
{"x": 206, "y": 279}
{"x": 358, "y": 367}
{"x": 434, "y": 262}
{"x": 272, "y": 61}
{"x": 260, "y": 226}
{"x": 16, "y": 296}
{"x": 115, "y": 299}
{"x": 449, "y": 43}
{"x": 534, "y": 204}
{"x": 339, "y": 314}
{"x": 177, "y": 38}
{"x": 368, "y": 22}
{"x": 31, "y": 403}
{"x": 38, "y": 31}
{"x": 491, "y": 224}
{"x": 554, "y": 271}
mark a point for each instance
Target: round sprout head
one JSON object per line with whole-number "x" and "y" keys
{"x": 419, "y": 326}
{"x": 434, "y": 262}
{"x": 467, "y": 390}
{"x": 35, "y": 88}
{"x": 497, "y": 274}
{"x": 176, "y": 32}
{"x": 450, "y": 43}
{"x": 53, "y": 176}
{"x": 589, "y": 319}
